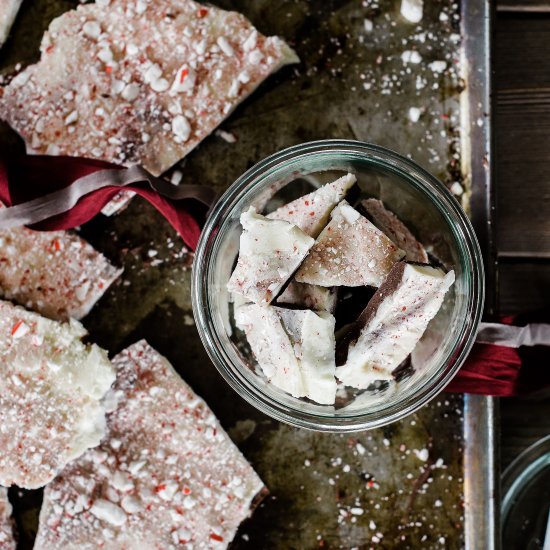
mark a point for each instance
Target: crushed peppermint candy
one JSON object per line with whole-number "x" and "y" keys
{"x": 157, "y": 81}
{"x": 50, "y": 398}
{"x": 173, "y": 479}
{"x": 55, "y": 273}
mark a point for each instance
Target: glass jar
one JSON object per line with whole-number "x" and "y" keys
{"x": 418, "y": 199}
{"x": 525, "y": 508}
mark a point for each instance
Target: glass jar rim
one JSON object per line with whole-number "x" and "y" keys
{"x": 470, "y": 253}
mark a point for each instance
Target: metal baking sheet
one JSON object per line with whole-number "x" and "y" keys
{"x": 424, "y": 482}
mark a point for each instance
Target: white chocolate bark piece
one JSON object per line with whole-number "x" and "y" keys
{"x": 306, "y": 296}
{"x": 294, "y": 349}
{"x": 55, "y": 273}
{"x": 393, "y": 322}
{"x": 51, "y": 387}
{"x": 350, "y": 251}
{"x": 8, "y": 12}
{"x": 7, "y": 540}
{"x": 269, "y": 253}
{"x": 127, "y": 82}
{"x": 311, "y": 212}
{"x": 167, "y": 475}
{"x": 396, "y": 230}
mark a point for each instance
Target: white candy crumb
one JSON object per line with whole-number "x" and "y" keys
{"x": 130, "y": 92}
{"x": 109, "y": 512}
{"x": 456, "y": 188}
{"x": 91, "y": 29}
{"x": 438, "y": 66}
{"x": 414, "y": 114}
{"x": 167, "y": 490}
{"x": 130, "y": 504}
{"x": 181, "y": 127}
{"x": 176, "y": 177}
{"x": 423, "y": 454}
{"x": 226, "y": 136}
{"x": 412, "y": 10}
{"x": 350, "y": 214}
{"x": 225, "y": 45}
{"x": 411, "y": 56}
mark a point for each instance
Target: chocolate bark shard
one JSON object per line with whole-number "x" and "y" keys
{"x": 130, "y": 83}
{"x": 311, "y": 212}
{"x": 392, "y": 323}
{"x": 351, "y": 302}
{"x": 395, "y": 229}
{"x": 8, "y": 12}
{"x": 166, "y": 476}
{"x": 7, "y": 540}
{"x": 306, "y": 296}
{"x": 294, "y": 349}
{"x": 350, "y": 251}
{"x": 269, "y": 253}
{"x": 55, "y": 273}
{"x": 50, "y": 395}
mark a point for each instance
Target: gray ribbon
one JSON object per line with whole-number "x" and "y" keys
{"x": 535, "y": 334}
{"x": 55, "y": 203}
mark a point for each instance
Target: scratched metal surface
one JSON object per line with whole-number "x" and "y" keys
{"x": 400, "y": 486}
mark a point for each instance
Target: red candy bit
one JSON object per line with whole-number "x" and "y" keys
{"x": 201, "y": 13}
{"x": 16, "y": 327}
{"x": 108, "y": 69}
{"x": 312, "y": 214}
{"x": 56, "y": 245}
{"x": 213, "y": 536}
{"x": 186, "y": 491}
{"x": 160, "y": 487}
{"x": 183, "y": 74}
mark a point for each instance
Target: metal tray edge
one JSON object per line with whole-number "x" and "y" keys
{"x": 481, "y": 462}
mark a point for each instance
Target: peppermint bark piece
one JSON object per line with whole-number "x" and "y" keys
{"x": 306, "y": 296}
{"x": 8, "y": 12}
{"x": 55, "y": 273}
{"x": 294, "y": 349}
{"x": 129, "y": 82}
{"x": 393, "y": 322}
{"x": 311, "y": 212}
{"x": 350, "y": 251}
{"x": 166, "y": 476}
{"x": 269, "y": 253}
{"x": 51, "y": 387}
{"x": 7, "y": 540}
{"x": 395, "y": 229}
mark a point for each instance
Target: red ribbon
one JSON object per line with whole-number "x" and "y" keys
{"x": 502, "y": 371}
{"x": 24, "y": 178}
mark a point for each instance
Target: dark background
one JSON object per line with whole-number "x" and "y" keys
{"x": 522, "y": 169}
